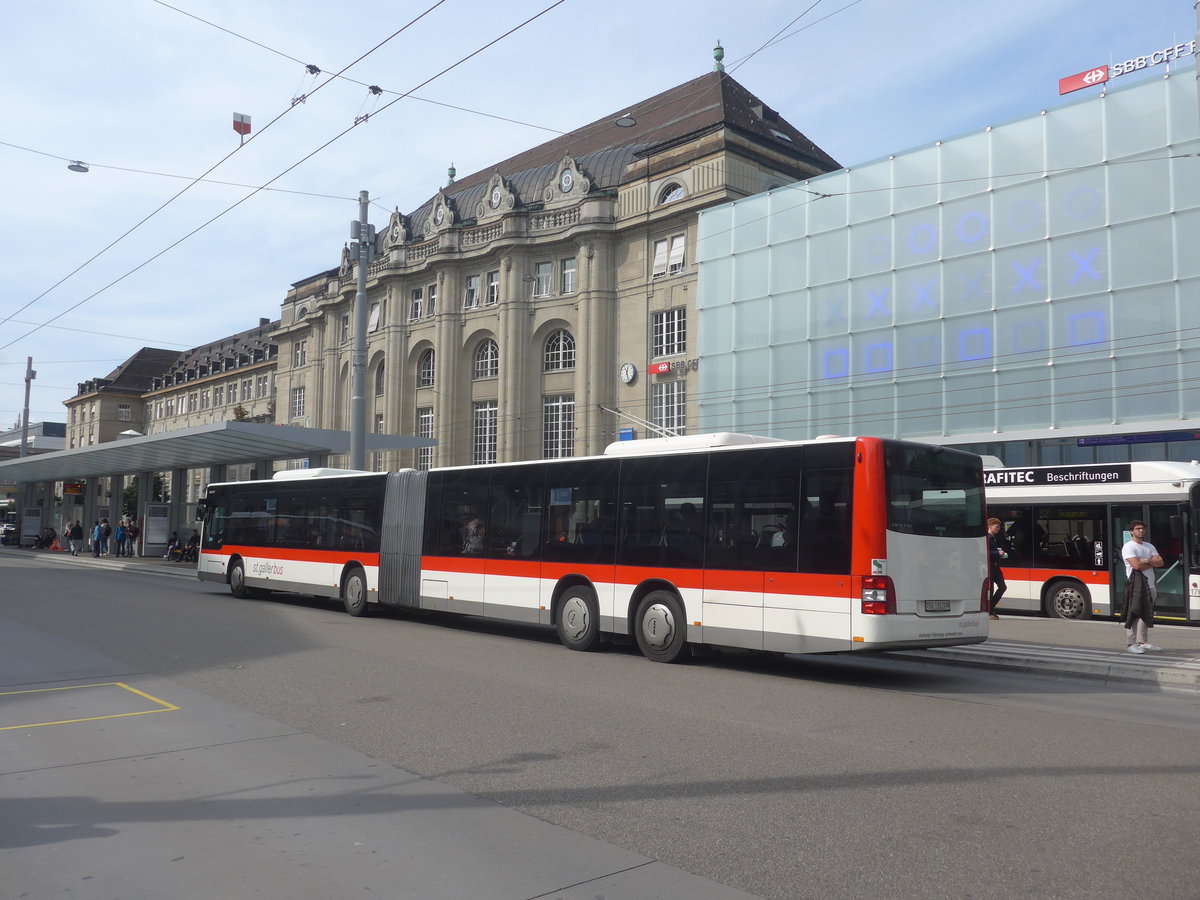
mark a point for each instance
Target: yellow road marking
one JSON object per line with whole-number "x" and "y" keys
{"x": 163, "y": 706}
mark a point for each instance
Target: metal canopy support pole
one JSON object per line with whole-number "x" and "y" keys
{"x": 178, "y": 502}
{"x": 364, "y": 234}
{"x": 145, "y": 497}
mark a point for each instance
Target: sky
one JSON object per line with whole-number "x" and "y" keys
{"x": 137, "y": 253}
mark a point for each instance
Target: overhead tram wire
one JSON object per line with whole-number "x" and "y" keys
{"x": 96, "y": 165}
{"x": 277, "y": 52}
{"x": 296, "y": 164}
{"x": 193, "y": 183}
{"x": 786, "y": 390}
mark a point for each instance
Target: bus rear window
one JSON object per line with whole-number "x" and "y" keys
{"x": 934, "y": 491}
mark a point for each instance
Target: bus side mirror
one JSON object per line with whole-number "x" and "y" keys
{"x": 1176, "y": 524}
{"x": 201, "y": 512}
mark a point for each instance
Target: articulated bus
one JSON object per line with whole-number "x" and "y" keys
{"x": 727, "y": 540}
{"x": 1065, "y": 526}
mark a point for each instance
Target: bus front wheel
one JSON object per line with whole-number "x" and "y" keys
{"x": 578, "y": 619}
{"x": 660, "y": 627}
{"x": 354, "y": 593}
{"x": 1068, "y": 600}
{"x": 237, "y": 581}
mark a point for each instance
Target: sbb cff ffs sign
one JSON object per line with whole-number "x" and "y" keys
{"x": 1101, "y": 74}
{"x": 1078, "y": 82}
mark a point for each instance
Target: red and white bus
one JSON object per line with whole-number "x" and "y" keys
{"x": 1065, "y": 526}
{"x": 724, "y": 540}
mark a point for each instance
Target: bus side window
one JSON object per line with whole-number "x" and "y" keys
{"x": 1018, "y": 535}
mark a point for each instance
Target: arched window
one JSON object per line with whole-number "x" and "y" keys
{"x": 379, "y": 382}
{"x": 560, "y": 351}
{"x": 672, "y": 192}
{"x": 425, "y": 369}
{"x": 487, "y": 359}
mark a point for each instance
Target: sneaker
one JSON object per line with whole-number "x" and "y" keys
{"x": 1149, "y": 647}
{"x": 994, "y": 617}
{"x": 1134, "y": 648}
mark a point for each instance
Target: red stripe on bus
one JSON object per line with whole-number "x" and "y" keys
{"x": 803, "y": 583}
{"x": 1087, "y": 576}
{"x": 296, "y": 554}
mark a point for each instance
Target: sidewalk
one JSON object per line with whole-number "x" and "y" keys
{"x": 126, "y": 784}
{"x": 1092, "y": 649}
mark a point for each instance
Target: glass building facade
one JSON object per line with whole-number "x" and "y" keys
{"x": 1031, "y": 290}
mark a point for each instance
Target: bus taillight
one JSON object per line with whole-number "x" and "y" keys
{"x": 985, "y": 596}
{"x": 878, "y": 596}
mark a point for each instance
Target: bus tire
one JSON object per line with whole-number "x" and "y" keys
{"x": 1068, "y": 600}
{"x": 237, "y": 580}
{"x": 660, "y": 628}
{"x": 577, "y": 619}
{"x": 354, "y": 593}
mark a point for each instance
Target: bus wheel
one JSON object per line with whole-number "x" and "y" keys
{"x": 578, "y": 619}
{"x": 237, "y": 581}
{"x": 660, "y": 627}
{"x": 354, "y": 593}
{"x": 1067, "y": 600}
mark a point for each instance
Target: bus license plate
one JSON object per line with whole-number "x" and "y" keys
{"x": 937, "y": 606}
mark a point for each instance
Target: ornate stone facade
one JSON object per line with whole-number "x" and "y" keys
{"x": 516, "y": 308}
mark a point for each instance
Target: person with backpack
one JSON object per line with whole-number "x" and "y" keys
{"x": 105, "y": 534}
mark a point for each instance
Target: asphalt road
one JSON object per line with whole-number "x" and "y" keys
{"x": 785, "y": 777}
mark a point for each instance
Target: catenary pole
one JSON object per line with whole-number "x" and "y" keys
{"x": 365, "y": 235}
{"x": 29, "y": 376}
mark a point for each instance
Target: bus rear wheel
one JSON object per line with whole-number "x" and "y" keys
{"x": 660, "y": 628}
{"x": 578, "y": 619}
{"x": 1068, "y": 600}
{"x": 354, "y": 593}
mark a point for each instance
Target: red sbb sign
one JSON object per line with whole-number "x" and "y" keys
{"x": 1099, "y": 75}
{"x": 659, "y": 368}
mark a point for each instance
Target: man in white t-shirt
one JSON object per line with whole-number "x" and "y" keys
{"x": 1140, "y": 554}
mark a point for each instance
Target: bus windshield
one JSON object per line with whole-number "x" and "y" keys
{"x": 933, "y": 491}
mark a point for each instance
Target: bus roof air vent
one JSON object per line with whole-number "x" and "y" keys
{"x": 687, "y": 442}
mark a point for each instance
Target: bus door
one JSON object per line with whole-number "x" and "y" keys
{"x": 1165, "y": 530}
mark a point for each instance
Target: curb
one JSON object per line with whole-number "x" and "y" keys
{"x": 1176, "y": 673}
{"x": 169, "y": 570}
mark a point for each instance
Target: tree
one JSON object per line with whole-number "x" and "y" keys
{"x": 239, "y": 413}
{"x": 129, "y": 501}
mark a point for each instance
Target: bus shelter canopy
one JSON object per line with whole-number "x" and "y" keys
{"x": 225, "y": 443}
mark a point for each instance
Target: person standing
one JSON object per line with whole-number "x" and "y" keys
{"x": 75, "y": 535}
{"x": 119, "y": 537}
{"x": 1142, "y": 557}
{"x": 133, "y": 530}
{"x": 996, "y": 552}
{"x": 97, "y": 534}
